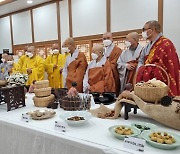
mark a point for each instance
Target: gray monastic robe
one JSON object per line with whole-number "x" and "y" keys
{"x": 126, "y": 56}
{"x": 4, "y": 67}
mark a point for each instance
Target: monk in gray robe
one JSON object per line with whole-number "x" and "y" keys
{"x": 4, "y": 66}
{"x": 128, "y": 60}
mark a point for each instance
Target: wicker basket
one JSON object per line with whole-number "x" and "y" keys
{"x": 41, "y": 84}
{"x": 43, "y": 101}
{"x": 152, "y": 94}
{"x": 3, "y": 82}
{"x": 42, "y": 92}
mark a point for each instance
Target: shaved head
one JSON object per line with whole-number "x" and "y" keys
{"x": 107, "y": 36}
{"x": 99, "y": 50}
{"x": 31, "y": 48}
{"x": 10, "y": 58}
{"x": 133, "y": 35}
{"x": 5, "y": 56}
{"x": 55, "y": 46}
{"x": 25, "y": 48}
{"x": 70, "y": 44}
{"x": 98, "y": 47}
{"x": 153, "y": 24}
{"x": 70, "y": 41}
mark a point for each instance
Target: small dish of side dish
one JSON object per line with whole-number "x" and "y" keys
{"x": 161, "y": 139}
{"x": 144, "y": 126}
{"x": 75, "y": 118}
{"x": 122, "y": 131}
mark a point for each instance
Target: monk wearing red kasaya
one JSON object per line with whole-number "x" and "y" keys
{"x": 159, "y": 51}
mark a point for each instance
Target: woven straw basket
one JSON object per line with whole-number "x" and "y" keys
{"x": 41, "y": 84}
{"x": 42, "y": 92}
{"x": 43, "y": 101}
{"x": 152, "y": 94}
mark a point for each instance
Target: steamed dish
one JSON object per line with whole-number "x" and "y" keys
{"x": 163, "y": 138}
{"x": 121, "y": 130}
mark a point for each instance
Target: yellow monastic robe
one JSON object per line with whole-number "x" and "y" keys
{"x": 54, "y": 75}
{"x": 15, "y": 68}
{"x": 21, "y": 62}
{"x": 37, "y": 65}
{"x": 65, "y": 56}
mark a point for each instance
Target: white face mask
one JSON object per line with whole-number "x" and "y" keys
{"x": 144, "y": 35}
{"x": 107, "y": 42}
{"x": 64, "y": 50}
{"x": 3, "y": 60}
{"x": 127, "y": 44}
{"x": 26, "y": 53}
{"x": 10, "y": 62}
{"x": 55, "y": 51}
{"x": 30, "y": 55}
{"x": 94, "y": 56}
{"x": 19, "y": 54}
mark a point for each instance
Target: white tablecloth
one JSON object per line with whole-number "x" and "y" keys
{"x": 39, "y": 137}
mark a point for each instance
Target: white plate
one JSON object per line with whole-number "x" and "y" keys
{"x": 68, "y": 114}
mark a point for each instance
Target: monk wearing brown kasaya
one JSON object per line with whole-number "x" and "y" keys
{"x": 99, "y": 74}
{"x": 112, "y": 53}
{"x": 75, "y": 66}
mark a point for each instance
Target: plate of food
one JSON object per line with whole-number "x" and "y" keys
{"x": 144, "y": 126}
{"x": 122, "y": 131}
{"x": 161, "y": 139}
{"x": 41, "y": 114}
{"x": 76, "y": 118}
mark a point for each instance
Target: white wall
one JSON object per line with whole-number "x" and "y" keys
{"x": 64, "y": 20}
{"x": 88, "y": 17}
{"x": 22, "y": 31}
{"x": 45, "y": 23}
{"x": 5, "y": 34}
{"x": 132, "y": 14}
{"x": 172, "y": 22}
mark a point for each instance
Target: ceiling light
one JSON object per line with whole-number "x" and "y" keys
{"x": 29, "y": 1}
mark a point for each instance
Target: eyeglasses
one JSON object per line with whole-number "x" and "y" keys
{"x": 144, "y": 29}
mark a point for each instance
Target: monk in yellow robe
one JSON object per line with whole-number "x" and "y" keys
{"x": 33, "y": 66}
{"x": 75, "y": 66}
{"x": 22, "y": 58}
{"x": 99, "y": 74}
{"x": 54, "y": 64}
{"x": 112, "y": 53}
{"x": 65, "y": 52}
